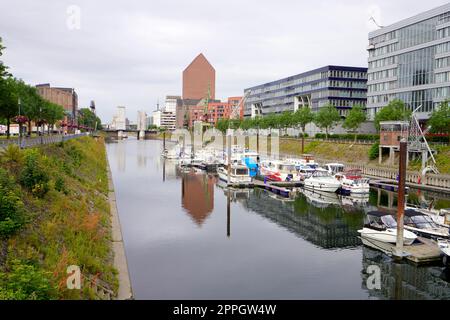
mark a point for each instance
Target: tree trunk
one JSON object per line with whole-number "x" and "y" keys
{"x": 326, "y": 134}
{"x": 356, "y": 134}
{"x": 30, "y": 129}
{"x": 303, "y": 140}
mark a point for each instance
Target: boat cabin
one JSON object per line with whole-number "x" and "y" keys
{"x": 334, "y": 168}
{"x": 418, "y": 220}
{"x": 379, "y": 220}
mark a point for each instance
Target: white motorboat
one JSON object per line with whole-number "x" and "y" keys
{"x": 440, "y": 217}
{"x": 277, "y": 170}
{"x": 423, "y": 225}
{"x": 238, "y": 174}
{"x": 322, "y": 180}
{"x": 305, "y": 172}
{"x": 381, "y": 226}
{"x": 352, "y": 182}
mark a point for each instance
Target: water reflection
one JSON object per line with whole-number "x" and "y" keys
{"x": 405, "y": 280}
{"x": 197, "y": 195}
{"x": 121, "y": 155}
{"x": 325, "y": 226}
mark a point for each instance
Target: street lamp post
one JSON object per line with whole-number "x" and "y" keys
{"x": 20, "y": 126}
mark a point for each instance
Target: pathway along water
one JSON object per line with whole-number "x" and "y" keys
{"x": 181, "y": 244}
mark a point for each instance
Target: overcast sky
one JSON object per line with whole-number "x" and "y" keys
{"x": 132, "y": 53}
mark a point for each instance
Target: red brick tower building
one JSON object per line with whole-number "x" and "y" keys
{"x": 199, "y": 78}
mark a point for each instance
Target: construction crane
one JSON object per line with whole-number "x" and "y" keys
{"x": 418, "y": 143}
{"x": 235, "y": 110}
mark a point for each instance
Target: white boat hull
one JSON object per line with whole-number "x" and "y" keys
{"x": 321, "y": 186}
{"x": 234, "y": 179}
{"x": 387, "y": 236}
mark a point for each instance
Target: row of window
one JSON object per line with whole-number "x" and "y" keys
{"x": 383, "y": 62}
{"x": 383, "y": 50}
{"x": 442, "y": 62}
{"x": 384, "y": 37}
{"x": 412, "y": 97}
{"x": 443, "y": 47}
{"x": 317, "y": 76}
{"x": 443, "y": 33}
{"x": 442, "y": 77}
{"x": 347, "y": 84}
{"x": 389, "y": 73}
{"x": 383, "y": 86}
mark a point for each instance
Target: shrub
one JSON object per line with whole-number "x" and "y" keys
{"x": 11, "y": 207}
{"x": 25, "y": 282}
{"x": 60, "y": 185}
{"x": 374, "y": 151}
{"x": 34, "y": 177}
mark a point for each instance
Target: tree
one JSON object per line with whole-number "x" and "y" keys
{"x": 8, "y": 101}
{"x": 285, "y": 119}
{"x": 440, "y": 119}
{"x": 88, "y": 118}
{"x": 52, "y": 113}
{"x": 326, "y": 118}
{"x": 354, "y": 119}
{"x": 302, "y": 117}
{"x": 394, "y": 111}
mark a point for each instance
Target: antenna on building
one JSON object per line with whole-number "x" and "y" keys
{"x": 374, "y": 21}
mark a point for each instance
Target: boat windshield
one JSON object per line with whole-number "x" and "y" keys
{"x": 320, "y": 173}
{"x": 421, "y": 222}
{"x": 241, "y": 171}
{"x": 287, "y": 167}
{"x": 389, "y": 221}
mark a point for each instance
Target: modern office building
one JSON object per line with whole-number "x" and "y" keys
{"x": 171, "y": 104}
{"x": 340, "y": 86}
{"x": 410, "y": 60}
{"x": 199, "y": 79}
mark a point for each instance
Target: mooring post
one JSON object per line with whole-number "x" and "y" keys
{"x": 401, "y": 199}
{"x": 229, "y": 157}
{"x": 164, "y": 140}
{"x": 228, "y": 214}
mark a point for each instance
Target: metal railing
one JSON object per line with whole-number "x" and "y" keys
{"x": 26, "y": 142}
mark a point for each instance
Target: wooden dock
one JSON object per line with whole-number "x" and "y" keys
{"x": 388, "y": 185}
{"x": 424, "y": 251}
{"x": 284, "y": 189}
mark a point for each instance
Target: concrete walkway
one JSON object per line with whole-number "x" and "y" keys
{"x": 120, "y": 260}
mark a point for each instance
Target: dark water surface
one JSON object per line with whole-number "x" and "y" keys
{"x": 182, "y": 244}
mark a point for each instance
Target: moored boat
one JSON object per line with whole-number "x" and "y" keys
{"x": 238, "y": 174}
{"x": 276, "y": 170}
{"x": 322, "y": 180}
{"x": 423, "y": 225}
{"x": 353, "y": 182}
{"x": 381, "y": 226}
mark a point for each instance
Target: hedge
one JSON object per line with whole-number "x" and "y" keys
{"x": 348, "y": 136}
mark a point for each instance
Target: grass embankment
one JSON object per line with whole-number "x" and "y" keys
{"x": 356, "y": 153}
{"x": 56, "y": 214}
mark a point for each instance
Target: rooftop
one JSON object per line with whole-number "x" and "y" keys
{"x": 411, "y": 20}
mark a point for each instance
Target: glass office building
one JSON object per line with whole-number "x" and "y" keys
{"x": 342, "y": 87}
{"x": 410, "y": 60}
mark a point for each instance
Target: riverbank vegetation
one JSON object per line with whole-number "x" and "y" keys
{"x": 54, "y": 213}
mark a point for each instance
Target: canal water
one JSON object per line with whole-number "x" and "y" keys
{"x": 181, "y": 241}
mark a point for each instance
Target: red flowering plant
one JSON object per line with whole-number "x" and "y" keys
{"x": 21, "y": 119}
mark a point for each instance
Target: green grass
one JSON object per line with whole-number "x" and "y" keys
{"x": 70, "y": 226}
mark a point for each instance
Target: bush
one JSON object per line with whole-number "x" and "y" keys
{"x": 25, "y": 282}
{"x": 374, "y": 151}
{"x": 34, "y": 177}
{"x": 348, "y": 136}
{"x": 11, "y": 207}
{"x": 60, "y": 185}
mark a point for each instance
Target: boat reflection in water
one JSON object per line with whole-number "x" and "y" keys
{"x": 326, "y": 226}
{"x": 404, "y": 280}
